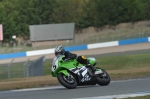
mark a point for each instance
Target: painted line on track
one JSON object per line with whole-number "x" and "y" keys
{"x": 119, "y": 96}
{"x": 30, "y": 89}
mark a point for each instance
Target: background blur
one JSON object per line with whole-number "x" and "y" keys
{"x": 87, "y": 36}
{"x": 95, "y": 21}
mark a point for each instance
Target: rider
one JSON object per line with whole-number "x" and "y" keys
{"x": 59, "y": 50}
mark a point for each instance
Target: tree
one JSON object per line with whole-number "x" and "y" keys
{"x": 66, "y": 11}
{"x": 8, "y": 12}
{"x": 33, "y": 12}
{"x": 17, "y": 15}
{"x": 146, "y": 9}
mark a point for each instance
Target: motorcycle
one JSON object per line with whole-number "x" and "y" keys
{"x": 70, "y": 73}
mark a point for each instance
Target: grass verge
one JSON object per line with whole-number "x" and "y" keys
{"x": 141, "y": 97}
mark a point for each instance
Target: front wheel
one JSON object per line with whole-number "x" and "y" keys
{"x": 67, "y": 81}
{"x": 103, "y": 79}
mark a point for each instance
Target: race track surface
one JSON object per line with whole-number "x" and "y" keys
{"x": 86, "y": 92}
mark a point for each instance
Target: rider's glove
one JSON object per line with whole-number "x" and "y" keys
{"x": 66, "y": 59}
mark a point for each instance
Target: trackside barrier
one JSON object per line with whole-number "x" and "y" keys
{"x": 40, "y": 52}
{"x": 100, "y": 45}
{"x": 12, "y": 55}
{"x": 133, "y": 41}
{"x": 75, "y": 48}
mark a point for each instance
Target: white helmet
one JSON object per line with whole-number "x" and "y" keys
{"x": 59, "y": 50}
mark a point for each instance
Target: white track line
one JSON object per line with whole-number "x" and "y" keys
{"x": 30, "y": 89}
{"x": 118, "y": 96}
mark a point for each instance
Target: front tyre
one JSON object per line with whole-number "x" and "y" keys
{"x": 67, "y": 81}
{"x": 103, "y": 79}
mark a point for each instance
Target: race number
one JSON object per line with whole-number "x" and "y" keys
{"x": 54, "y": 67}
{"x": 55, "y": 64}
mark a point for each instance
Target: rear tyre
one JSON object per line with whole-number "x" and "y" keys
{"x": 103, "y": 79}
{"x": 67, "y": 81}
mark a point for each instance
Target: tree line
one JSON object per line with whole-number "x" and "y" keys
{"x": 17, "y": 15}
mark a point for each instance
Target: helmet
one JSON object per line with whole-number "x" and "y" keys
{"x": 59, "y": 50}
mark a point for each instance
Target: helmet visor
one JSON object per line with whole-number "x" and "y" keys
{"x": 58, "y": 53}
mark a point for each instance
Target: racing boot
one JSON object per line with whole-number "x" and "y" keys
{"x": 92, "y": 68}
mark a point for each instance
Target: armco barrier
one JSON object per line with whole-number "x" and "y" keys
{"x": 12, "y": 55}
{"x": 75, "y": 48}
{"x": 101, "y": 45}
{"x": 133, "y": 41}
{"x": 40, "y": 52}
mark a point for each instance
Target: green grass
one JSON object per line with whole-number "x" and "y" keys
{"x": 47, "y": 68}
{"x": 141, "y": 97}
{"x": 3, "y": 72}
{"x": 126, "y": 61}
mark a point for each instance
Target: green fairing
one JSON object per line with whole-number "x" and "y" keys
{"x": 64, "y": 72}
{"x": 92, "y": 60}
{"x": 63, "y": 67}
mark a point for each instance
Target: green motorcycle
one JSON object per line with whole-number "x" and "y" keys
{"x": 71, "y": 73}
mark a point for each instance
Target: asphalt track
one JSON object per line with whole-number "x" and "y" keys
{"x": 82, "y": 92}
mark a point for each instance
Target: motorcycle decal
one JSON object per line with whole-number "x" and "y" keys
{"x": 86, "y": 78}
{"x": 54, "y": 67}
{"x": 55, "y": 64}
{"x": 83, "y": 68}
{"x": 84, "y": 72}
{"x": 74, "y": 70}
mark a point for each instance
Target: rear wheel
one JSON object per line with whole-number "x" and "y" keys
{"x": 103, "y": 79}
{"x": 67, "y": 81}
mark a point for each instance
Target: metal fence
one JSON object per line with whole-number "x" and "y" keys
{"x": 23, "y": 69}
{"x": 36, "y": 68}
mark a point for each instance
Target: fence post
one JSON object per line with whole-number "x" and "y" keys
{"x": 24, "y": 67}
{"x": 27, "y": 70}
{"x": 97, "y": 39}
{"x": 9, "y": 68}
